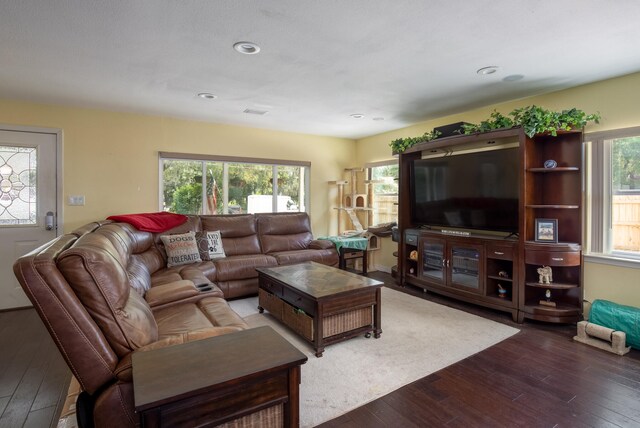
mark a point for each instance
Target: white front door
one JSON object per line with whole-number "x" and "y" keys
{"x": 27, "y": 193}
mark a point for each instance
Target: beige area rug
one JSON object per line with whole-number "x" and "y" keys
{"x": 418, "y": 338}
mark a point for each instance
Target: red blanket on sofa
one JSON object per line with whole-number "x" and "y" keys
{"x": 151, "y": 222}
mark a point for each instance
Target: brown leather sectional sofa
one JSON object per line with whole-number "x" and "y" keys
{"x": 104, "y": 291}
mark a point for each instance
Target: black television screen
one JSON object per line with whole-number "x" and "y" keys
{"x": 476, "y": 190}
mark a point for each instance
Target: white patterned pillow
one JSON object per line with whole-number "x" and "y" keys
{"x": 181, "y": 249}
{"x": 213, "y": 249}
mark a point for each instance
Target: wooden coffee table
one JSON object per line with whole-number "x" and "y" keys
{"x": 323, "y": 304}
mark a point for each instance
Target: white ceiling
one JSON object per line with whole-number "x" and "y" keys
{"x": 321, "y": 60}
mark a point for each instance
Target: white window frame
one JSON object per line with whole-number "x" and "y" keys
{"x": 389, "y": 162}
{"x": 599, "y": 191}
{"x": 226, "y": 160}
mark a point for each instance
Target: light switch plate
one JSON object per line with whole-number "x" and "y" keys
{"x": 75, "y": 200}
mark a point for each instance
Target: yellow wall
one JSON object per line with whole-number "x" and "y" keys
{"x": 615, "y": 99}
{"x": 112, "y": 157}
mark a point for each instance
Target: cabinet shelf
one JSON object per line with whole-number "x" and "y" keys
{"x": 560, "y": 309}
{"x": 564, "y": 246}
{"x": 500, "y": 278}
{"x": 553, "y": 206}
{"x": 497, "y": 299}
{"x": 552, "y": 286}
{"x": 557, "y": 169}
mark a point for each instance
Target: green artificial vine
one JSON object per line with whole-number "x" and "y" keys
{"x": 496, "y": 121}
{"x": 401, "y": 144}
{"x": 535, "y": 120}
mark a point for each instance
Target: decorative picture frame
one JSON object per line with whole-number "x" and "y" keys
{"x": 546, "y": 230}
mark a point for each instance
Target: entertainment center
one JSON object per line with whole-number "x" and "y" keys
{"x": 495, "y": 219}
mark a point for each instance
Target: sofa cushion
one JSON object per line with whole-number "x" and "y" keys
{"x": 139, "y": 276}
{"x": 242, "y": 267}
{"x": 239, "y": 233}
{"x": 284, "y": 232}
{"x": 171, "y": 292}
{"x": 327, "y": 257}
{"x": 96, "y": 273}
{"x": 189, "y": 318}
{"x": 235, "y": 288}
{"x": 199, "y": 273}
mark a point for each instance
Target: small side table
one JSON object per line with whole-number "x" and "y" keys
{"x": 352, "y": 253}
{"x": 350, "y": 248}
{"x": 217, "y": 380}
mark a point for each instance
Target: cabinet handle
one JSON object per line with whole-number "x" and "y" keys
{"x": 447, "y": 262}
{"x": 557, "y": 259}
{"x": 444, "y": 262}
{"x": 498, "y": 253}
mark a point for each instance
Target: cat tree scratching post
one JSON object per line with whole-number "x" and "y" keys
{"x": 352, "y": 202}
{"x": 340, "y": 184}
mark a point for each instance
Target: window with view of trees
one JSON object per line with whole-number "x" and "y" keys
{"x": 616, "y": 193}
{"x": 385, "y": 191}
{"x": 216, "y": 185}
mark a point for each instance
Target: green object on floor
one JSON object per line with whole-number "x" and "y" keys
{"x": 617, "y": 317}
{"x": 356, "y": 243}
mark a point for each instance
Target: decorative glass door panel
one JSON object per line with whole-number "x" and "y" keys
{"x": 17, "y": 185}
{"x": 464, "y": 265}
{"x": 433, "y": 263}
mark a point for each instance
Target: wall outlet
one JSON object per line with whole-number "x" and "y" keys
{"x": 75, "y": 200}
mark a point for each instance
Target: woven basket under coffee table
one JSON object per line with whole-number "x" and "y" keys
{"x": 323, "y": 304}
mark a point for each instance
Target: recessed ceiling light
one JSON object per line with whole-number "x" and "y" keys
{"x": 513, "y": 78}
{"x": 488, "y": 70}
{"x": 357, "y": 116}
{"x": 207, "y": 96}
{"x": 378, "y": 118}
{"x": 247, "y": 48}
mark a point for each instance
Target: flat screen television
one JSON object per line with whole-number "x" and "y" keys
{"x": 477, "y": 190}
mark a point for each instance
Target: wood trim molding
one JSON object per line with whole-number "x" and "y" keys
{"x": 394, "y": 161}
{"x": 236, "y": 159}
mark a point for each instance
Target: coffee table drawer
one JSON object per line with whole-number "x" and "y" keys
{"x": 271, "y": 286}
{"x": 299, "y": 301}
{"x": 353, "y": 301}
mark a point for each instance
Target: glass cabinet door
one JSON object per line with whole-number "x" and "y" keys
{"x": 433, "y": 262}
{"x": 464, "y": 265}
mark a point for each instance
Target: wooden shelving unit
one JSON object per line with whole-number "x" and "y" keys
{"x": 545, "y": 193}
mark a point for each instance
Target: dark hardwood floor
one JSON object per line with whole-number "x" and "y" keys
{"x": 33, "y": 376}
{"x": 537, "y": 378}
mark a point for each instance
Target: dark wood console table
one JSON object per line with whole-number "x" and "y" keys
{"x": 220, "y": 379}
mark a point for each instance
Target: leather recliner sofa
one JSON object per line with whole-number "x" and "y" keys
{"x": 103, "y": 291}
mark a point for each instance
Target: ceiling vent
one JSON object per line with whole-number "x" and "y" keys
{"x": 254, "y": 111}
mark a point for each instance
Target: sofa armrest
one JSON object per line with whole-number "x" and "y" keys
{"x": 170, "y": 292}
{"x": 321, "y": 244}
